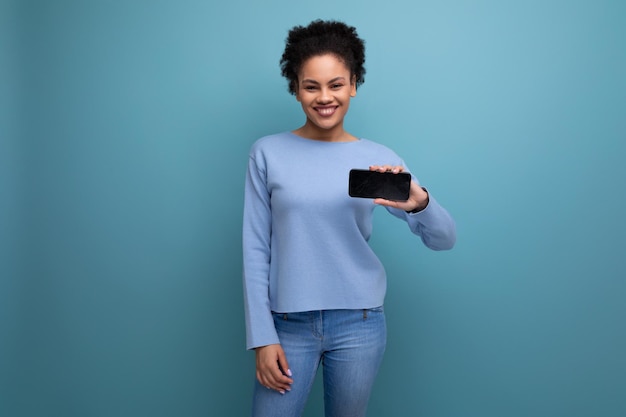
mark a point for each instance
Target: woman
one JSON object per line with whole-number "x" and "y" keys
{"x": 313, "y": 287}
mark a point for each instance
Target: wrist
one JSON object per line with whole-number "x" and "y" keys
{"x": 420, "y": 205}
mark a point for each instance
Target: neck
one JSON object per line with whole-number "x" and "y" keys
{"x": 336, "y": 134}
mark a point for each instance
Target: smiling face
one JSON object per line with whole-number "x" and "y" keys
{"x": 324, "y": 89}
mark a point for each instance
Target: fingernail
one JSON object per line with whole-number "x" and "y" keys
{"x": 289, "y": 372}
{"x": 282, "y": 392}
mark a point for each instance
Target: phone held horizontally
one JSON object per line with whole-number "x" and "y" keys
{"x": 364, "y": 183}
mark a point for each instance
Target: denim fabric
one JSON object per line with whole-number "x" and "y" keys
{"x": 349, "y": 344}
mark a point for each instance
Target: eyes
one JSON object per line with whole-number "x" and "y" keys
{"x": 313, "y": 87}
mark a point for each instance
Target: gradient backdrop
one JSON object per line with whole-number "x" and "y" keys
{"x": 125, "y": 128}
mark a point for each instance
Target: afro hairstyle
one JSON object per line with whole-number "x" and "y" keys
{"x": 320, "y": 38}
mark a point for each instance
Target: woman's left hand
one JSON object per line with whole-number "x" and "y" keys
{"x": 418, "y": 197}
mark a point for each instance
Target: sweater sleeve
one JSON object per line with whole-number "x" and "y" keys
{"x": 434, "y": 225}
{"x": 257, "y": 227}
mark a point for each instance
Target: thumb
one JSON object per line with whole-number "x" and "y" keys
{"x": 282, "y": 362}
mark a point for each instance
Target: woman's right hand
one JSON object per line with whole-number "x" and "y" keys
{"x": 272, "y": 369}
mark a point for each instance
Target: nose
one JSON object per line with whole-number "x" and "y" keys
{"x": 324, "y": 96}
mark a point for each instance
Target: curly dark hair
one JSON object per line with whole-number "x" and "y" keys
{"x": 319, "y": 38}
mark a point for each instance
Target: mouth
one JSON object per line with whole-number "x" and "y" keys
{"x": 326, "y": 111}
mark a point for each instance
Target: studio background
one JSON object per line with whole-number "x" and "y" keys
{"x": 125, "y": 128}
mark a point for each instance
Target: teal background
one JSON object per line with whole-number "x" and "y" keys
{"x": 124, "y": 132}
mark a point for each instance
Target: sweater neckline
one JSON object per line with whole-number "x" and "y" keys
{"x": 309, "y": 140}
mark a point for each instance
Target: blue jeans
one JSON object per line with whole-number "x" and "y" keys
{"x": 349, "y": 344}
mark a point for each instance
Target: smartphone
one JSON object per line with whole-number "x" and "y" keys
{"x": 373, "y": 184}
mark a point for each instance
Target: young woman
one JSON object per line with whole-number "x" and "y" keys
{"x": 313, "y": 287}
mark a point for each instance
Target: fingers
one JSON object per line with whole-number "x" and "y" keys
{"x": 282, "y": 363}
{"x": 418, "y": 199}
{"x": 387, "y": 168}
{"x": 272, "y": 368}
{"x": 383, "y": 202}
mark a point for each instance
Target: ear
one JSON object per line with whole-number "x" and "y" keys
{"x": 353, "y": 86}
{"x": 297, "y": 91}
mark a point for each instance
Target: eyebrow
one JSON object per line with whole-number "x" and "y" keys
{"x": 308, "y": 80}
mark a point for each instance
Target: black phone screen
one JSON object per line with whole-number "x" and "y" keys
{"x": 373, "y": 184}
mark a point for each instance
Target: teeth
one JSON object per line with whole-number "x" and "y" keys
{"x": 326, "y": 111}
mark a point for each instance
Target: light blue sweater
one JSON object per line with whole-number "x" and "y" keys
{"x": 305, "y": 241}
